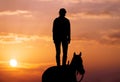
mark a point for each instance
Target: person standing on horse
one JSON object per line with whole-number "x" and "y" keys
{"x": 61, "y": 35}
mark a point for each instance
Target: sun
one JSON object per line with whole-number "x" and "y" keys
{"x": 13, "y": 62}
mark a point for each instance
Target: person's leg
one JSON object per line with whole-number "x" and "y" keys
{"x": 57, "y": 46}
{"x": 65, "y": 48}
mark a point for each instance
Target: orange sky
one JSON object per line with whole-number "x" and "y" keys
{"x": 26, "y": 35}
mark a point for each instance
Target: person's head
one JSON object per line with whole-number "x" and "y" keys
{"x": 62, "y": 12}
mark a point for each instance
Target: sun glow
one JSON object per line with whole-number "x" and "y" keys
{"x": 13, "y": 63}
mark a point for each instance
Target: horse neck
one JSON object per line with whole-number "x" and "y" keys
{"x": 73, "y": 66}
{"x": 76, "y": 65}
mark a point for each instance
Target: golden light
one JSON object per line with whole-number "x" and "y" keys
{"x": 13, "y": 63}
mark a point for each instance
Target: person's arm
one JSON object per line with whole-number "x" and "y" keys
{"x": 54, "y": 29}
{"x": 69, "y": 32}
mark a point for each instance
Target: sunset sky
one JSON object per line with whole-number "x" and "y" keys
{"x": 26, "y": 35}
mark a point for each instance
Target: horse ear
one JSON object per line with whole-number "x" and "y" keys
{"x": 74, "y": 53}
{"x": 80, "y": 54}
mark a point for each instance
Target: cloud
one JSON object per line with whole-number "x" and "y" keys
{"x": 62, "y": 1}
{"x": 95, "y": 10}
{"x": 79, "y": 1}
{"x": 13, "y": 38}
{"x": 98, "y": 1}
{"x": 45, "y": 0}
{"x": 110, "y": 37}
{"x": 17, "y": 12}
{"x": 70, "y": 1}
{"x": 77, "y": 8}
{"x": 93, "y": 15}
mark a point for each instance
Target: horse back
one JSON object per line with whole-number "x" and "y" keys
{"x": 58, "y": 74}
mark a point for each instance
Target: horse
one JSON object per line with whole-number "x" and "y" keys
{"x": 66, "y": 73}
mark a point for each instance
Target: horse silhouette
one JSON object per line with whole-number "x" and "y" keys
{"x": 66, "y": 73}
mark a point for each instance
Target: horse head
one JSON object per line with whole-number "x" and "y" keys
{"x": 77, "y": 63}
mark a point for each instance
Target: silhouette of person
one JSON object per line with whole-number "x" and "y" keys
{"x": 61, "y": 35}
